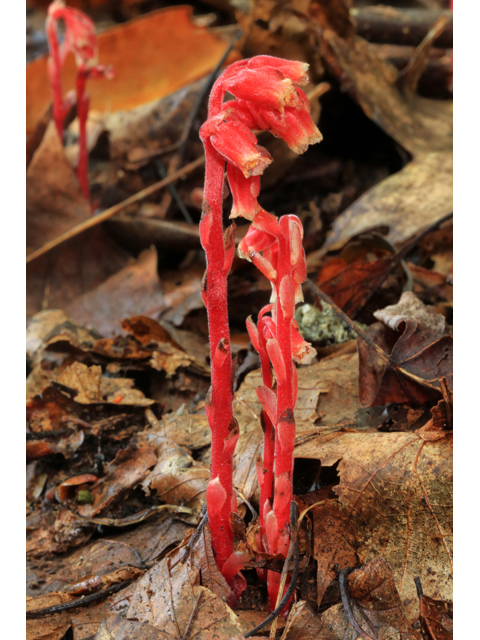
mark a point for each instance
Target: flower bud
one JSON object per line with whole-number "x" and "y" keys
{"x": 266, "y": 86}
{"x": 293, "y": 69}
{"x": 244, "y": 193}
{"x": 238, "y": 145}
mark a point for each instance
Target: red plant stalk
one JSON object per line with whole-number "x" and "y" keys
{"x": 283, "y": 262}
{"x": 81, "y": 40}
{"x": 267, "y": 99}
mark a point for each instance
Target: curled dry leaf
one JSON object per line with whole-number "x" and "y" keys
{"x": 376, "y": 603}
{"x": 417, "y": 353}
{"x": 395, "y": 495}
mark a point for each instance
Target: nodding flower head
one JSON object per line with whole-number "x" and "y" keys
{"x": 238, "y": 145}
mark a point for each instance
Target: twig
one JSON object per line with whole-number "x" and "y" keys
{"x": 194, "y": 538}
{"x": 401, "y": 26}
{"x": 342, "y": 581}
{"x": 129, "y": 520}
{"x": 296, "y": 568}
{"x": 108, "y": 213}
{"x": 80, "y": 602}
{"x": 173, "y": 191}
{"x": 192, "y": 615}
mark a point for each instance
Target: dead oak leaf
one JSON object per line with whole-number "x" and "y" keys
{"x": 395, "y": 495}
{"x": 416, "y": 352}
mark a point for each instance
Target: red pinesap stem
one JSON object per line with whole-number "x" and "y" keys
{"x": 55, "y": 76}
{"x": 215, "y": 298}
{"x": 265, "y": 466}
{"x": 285, "y": 421}
{"x": 83, "y": 103}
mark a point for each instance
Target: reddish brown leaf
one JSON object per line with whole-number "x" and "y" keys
{"x": 349, "y": 285}
{"x": 415, "y": 354}
{"x": 436, "y": 617}
{"x": 395, "y": 496}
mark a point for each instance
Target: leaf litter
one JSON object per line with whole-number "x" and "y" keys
{"x": 118, "y": 445}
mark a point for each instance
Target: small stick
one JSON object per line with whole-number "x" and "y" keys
{"x": 80, "y": 602}
{"x": 342, "y": 581}
{"x": 194, "y": 538}
{"x": 293, "y": 582}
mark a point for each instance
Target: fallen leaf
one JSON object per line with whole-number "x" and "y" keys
{"x": 148, "y": 75}
{"x": 416, "y": 354}
{"x": 333, "y": 543}
{"x": 55, "y": 533}
{"x": 92, "y": 387}
{"x": 120, "y": 549}
{"x": 128, "y": 468}
{"x": 399, "y": 203}
{"x": 55, "y": 201}
{"x": 49, "y": 627}
{"x": 436, "y": 618}
{"x": 395, "y": 496}
{"x": 134, "y": 289}
{"x": 176, "y": 477}
{"x": 376, "y": 603}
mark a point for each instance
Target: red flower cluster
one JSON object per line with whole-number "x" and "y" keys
{"x": 267, "y": 99}
{"x": 81, "y": 40}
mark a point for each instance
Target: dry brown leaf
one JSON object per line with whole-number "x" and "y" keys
{"x": 79, "y": 265}
{"x": 120, "y": 549}
{"x": 395, "y": 494}
{"x": 128, "y": 468}
{"x": 51, "y": 532}
{"x": 165, "y": 596}
{"x": 333, "y": 544}
{"x": 50, "y": 627}
{"x": 55, "y": 201}
{"x": 376, "y": 603}
{"x": 436, "y": 617}
{"x": 419, "y": 350}
{"x": 304, "y": 624}
{"x": 134, "y": 289}
{"x": 148, "y": 75}
{"x": 399, "y": 203}
{"x": 92, "y": 387}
